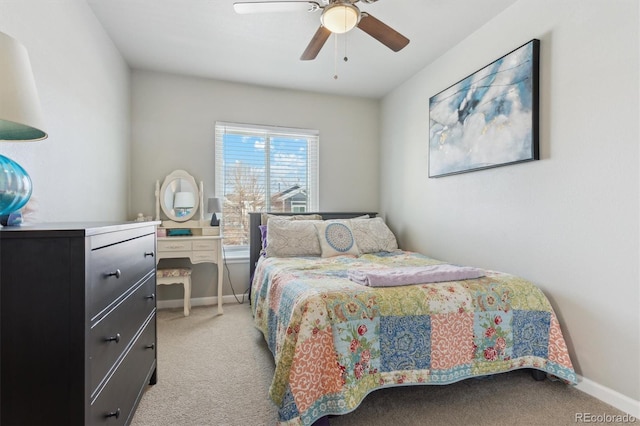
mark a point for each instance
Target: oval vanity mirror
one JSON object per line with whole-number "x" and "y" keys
{"x": 179, "y": 196}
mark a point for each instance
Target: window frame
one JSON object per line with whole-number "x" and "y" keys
{"x": 268, "y": 132}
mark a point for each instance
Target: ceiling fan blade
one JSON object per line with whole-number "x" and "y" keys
{"x": 382, "y": 32}
{"x": 316, "y": 43}
{"x": 243, "y": 7}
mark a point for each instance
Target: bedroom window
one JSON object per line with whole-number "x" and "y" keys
{"x": 264, "y": 169}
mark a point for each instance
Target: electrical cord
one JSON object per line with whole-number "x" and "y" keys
{"x": 226, "y": 266}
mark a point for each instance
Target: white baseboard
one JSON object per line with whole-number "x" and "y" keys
{"x": 199, "y": 301}
{"x": 609, "y": 396}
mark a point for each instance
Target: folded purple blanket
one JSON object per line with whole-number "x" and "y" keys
{"x": 413, "y": 275}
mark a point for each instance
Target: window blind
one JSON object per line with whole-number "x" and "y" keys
{"x": 263, "y": 168}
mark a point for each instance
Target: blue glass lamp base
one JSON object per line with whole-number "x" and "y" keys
{"x": 11, "y": 219}
{"x": 15, "y": 186}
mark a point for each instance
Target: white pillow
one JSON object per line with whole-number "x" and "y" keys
{"x": 336, "y": 238}
{"x": 289, "y": 238}
{"x": 373, "y": 235}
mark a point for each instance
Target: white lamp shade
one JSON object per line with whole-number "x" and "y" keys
{"x": 340, "y": 18}
{"x": 184, "y": 200}
{"x": 20, "y": 114}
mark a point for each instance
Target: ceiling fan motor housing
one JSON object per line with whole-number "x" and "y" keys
{"x": 340, "y": 17}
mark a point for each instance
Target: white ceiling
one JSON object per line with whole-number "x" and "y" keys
{"x": 206, "y": 38}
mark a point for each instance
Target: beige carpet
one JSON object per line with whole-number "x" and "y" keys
{"x": 216, "y": 370}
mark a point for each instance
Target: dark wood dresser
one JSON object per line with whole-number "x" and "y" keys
{"x": 77, "y": 322}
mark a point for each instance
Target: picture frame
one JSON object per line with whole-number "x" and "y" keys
{"x": 488, "y": 119}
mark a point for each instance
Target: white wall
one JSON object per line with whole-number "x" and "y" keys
{"x": 81, "y": 172}
{"x": 173, "y": 119}
{"x": 568, "y": 222}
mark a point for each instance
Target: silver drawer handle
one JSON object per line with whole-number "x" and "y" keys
{"x": 150, "y": 346}
{"x": 116, "y": 274}
{"x": 148, "y": 253}
{"x": 115, "y": 414}
{"x": 115, "y": 338}
{"x": 151, "y": 296}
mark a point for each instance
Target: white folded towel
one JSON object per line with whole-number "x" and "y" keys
{"x": 413, "y": 275}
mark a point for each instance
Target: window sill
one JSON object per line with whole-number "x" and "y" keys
{"x": 236, "y": 256}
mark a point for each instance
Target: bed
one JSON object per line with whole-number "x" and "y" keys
{"x": 336, "y": 338}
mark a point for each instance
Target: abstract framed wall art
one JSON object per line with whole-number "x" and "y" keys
{"x": 488, "y": 119}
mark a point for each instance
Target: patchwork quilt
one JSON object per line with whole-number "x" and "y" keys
{"x": 334, "y": 341}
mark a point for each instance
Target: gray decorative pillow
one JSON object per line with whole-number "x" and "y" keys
{"x": 336, "y": 238}
{"x": 289, "y": 238}
{"x": 373, "y": 235}
{"x": 264, "y": 218}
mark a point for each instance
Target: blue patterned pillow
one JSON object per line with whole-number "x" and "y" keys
{"x": 336, "y": 238}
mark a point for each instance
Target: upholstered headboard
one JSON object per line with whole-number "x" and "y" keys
{"x": 255, "y": 243}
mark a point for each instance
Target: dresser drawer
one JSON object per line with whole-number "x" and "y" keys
{"x": 116, "y": 401}
{"x": 111, "y": 335}
{"x": 115, "y": 268}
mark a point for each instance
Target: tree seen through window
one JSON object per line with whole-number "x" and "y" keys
{"x": 264, "y": 169}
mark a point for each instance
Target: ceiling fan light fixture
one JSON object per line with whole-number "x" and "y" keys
{"x": 340, "y": 17}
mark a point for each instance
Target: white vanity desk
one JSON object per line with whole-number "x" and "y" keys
{"x": 198, "y": 249}
{"x": 204, "y": 245}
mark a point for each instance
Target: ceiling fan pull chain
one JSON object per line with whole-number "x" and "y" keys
{"x": 335, "y": 56}
{"x": 345, "y": 35}
{"x": 345, "y": 48}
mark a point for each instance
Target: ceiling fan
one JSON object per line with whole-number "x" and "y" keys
{"x": 338, "y": 16}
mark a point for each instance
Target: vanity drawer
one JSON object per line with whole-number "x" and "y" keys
{"x": 115, "y": 403}
{"x": 208, "y": 245}
{"x": 203, "y": 256}
{"x": 111, "y": 335}
{"x": 115, "y": 268}
{"x": 178, "y": 245}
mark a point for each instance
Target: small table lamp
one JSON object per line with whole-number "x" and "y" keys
{"x": 20, "y": 121}
{"x": 214, "y": 206}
